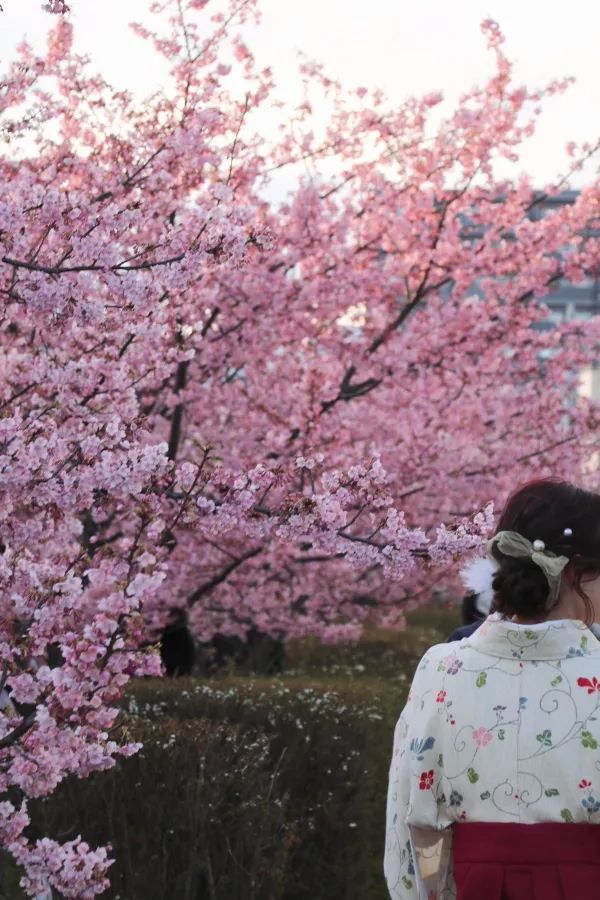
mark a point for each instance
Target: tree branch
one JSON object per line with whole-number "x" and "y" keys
{"x": 22, "y": 728}
{"x": 222, "y": 576}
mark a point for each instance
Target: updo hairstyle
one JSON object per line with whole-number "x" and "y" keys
{"x": 542, "y": 510}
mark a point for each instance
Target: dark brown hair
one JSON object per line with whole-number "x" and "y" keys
{"x": 542, "y": 510}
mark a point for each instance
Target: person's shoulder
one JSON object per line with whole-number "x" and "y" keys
{"x": 433, "y": 658}
{"x": 444, "y": 657}
{"x": 429, "y": 677}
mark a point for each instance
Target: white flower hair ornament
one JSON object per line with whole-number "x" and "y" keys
{"x": 478, "y": 574}
{"x": 477, "y": 577}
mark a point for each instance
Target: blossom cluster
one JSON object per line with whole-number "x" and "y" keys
{"x": 290, "y": 418}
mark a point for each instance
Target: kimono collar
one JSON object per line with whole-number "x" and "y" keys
{"x": 554, "y": 639}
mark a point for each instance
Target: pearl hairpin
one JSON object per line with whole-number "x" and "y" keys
{"x": 539, "y": 545}
{"x": 568, "y": 532}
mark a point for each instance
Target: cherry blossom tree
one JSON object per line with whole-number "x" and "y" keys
{"x": 256, "y": 414}
{"x": 402, "y": 298}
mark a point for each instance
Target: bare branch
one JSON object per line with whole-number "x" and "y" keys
{"x": 222, "y": 576}
{"x": 22, "y": 728}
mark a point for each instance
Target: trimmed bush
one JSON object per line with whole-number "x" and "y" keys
{"x": 285, "y": 804}
{"x": 332, "y": 749}
{"x": 199, "y": 812}
{"x": 252, "y": 789}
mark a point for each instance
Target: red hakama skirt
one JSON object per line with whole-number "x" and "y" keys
{"x": 545, "y": 861}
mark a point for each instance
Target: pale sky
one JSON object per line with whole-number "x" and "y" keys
{"x": 402, "y": 46}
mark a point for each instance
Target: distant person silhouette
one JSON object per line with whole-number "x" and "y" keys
{"x": 177, "y": 646}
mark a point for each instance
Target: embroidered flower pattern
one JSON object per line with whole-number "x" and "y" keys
{"x": 454, "y": 665}
{"x": 483, "y": 737}
{"x": 426, "y": 780}
{"x": 592, "y": 684}
{"x": 501, "y": 703}
{"x": 419, "y": 746}
{"x": 590, "y": 802}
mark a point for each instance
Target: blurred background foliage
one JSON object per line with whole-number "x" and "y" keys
{"x": 252, "y": 788}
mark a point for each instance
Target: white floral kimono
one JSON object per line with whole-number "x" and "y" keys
{"x": 503, "y": 726}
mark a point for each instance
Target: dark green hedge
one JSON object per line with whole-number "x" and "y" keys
{"x": 243, "y": 791}
{"x": 251, "y": 789}
{"x": 198, "y": 813}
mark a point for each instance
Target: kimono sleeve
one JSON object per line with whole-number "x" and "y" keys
{"x": 416, "y": 852}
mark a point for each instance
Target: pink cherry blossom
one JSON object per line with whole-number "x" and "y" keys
{"x": 294, "y": 416}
